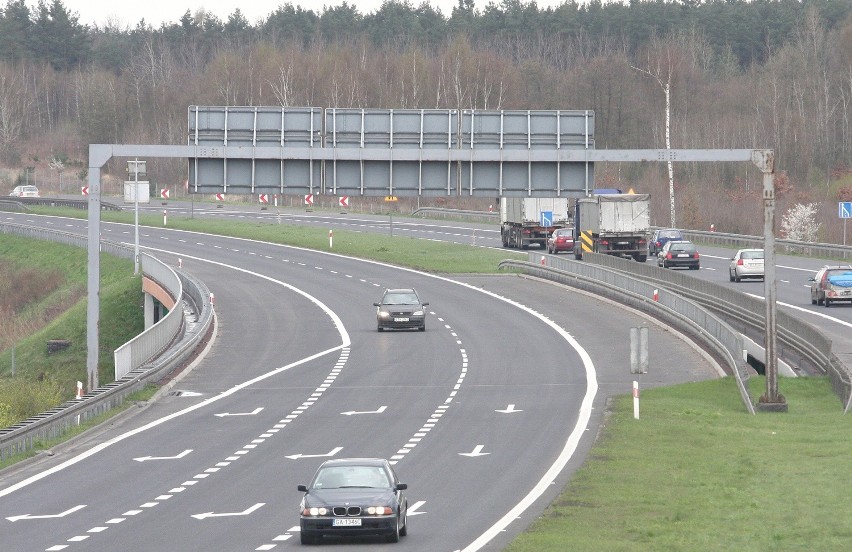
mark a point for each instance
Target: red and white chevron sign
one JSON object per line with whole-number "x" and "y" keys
{"x": 309, "y": 199}
{"x": 84, "y": 190}
{"x": 263, "y": 198}
{"x": 220, "y": 197}
{"x": 343, "y": 201}
{"x": 164, "y": 193}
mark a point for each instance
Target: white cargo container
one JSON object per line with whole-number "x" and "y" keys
{"x": 525, "y": 221}
{"x": 614, "y": 224}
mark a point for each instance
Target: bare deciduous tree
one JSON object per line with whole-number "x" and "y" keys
{"x": 14, "y": 105}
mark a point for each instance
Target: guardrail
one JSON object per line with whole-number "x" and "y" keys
{"x": 195, "y": 315}
{"x": 477, "y": 216}
{"x": 737, "y": 241}
{"x": 724, "y": 341}
{"x": 20, "y": 203}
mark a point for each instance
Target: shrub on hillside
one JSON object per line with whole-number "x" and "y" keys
{"x": 24, "y": 399}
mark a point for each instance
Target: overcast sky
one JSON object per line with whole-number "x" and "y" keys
{"x": 170, "y": 11}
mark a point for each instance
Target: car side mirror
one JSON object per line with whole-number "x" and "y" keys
{"x": 303, "y": 488}
{"x": 401, "y": 486}
{"x": 376, "y": 304}
{"x": 811, "y": 279}
{"x": 424, "y": 304}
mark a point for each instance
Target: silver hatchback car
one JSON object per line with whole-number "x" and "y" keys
{"x": 747, "y": 263}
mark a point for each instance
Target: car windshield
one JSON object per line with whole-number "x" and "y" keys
{"x": 342, "y": 477}
{"x": 400, "y": 299}
{"x": 670, "y": 234}
{"x": 752, "y": 255}
{"x": 683, "y": 247}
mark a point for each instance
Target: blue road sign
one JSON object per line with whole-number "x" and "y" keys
{"x": 844, "y": 209}
{"x": 547, "y": 218}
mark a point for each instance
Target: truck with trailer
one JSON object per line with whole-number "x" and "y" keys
{"x": 612, "y": 224}
{"x": 526, "y": 221}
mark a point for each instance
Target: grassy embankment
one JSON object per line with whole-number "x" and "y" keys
{"x": 42, "y": 297}
{"x": 694, "y": 473}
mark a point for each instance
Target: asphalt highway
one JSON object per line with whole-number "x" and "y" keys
{"x": 485, "y": 415}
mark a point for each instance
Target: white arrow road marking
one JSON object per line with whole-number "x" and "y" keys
{"x": 189, "y": 393}
{"x": 379, "y": 411}
{"x": 477, "y": 451}
{"x": 412, "y": 510}
{"x": 509, "y": 410}
{"x": 252, "y": 413}
{"x": 47, "y": 516}
{"x": 297, "y": 456}
{"x": 178, "y": 457}
{"x": 227, "y": 514}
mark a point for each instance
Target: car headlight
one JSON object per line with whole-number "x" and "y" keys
{"x": 417, "y": 313}
{"x": 315, "y": 511}
{"x": 379, "y": 510}
{"x": 383, "y": 313}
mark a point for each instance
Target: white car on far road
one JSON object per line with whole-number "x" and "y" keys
{"x": 25, "y": 191}
{"x": 747, "y": 263}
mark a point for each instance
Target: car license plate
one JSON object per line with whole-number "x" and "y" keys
{"x": 400, "y": 319}
{"x": 347, "y": 522}
{"x": 683, "y": 254}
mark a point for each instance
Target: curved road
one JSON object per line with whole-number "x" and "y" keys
{"x": 486, "y": 414}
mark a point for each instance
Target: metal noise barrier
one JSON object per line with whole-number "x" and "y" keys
{"x": 197, "y": 318}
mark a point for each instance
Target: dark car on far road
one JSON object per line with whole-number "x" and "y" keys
{"x": 660, "y": 237}
{"x": 353, "y": 497}
{"x": 679, "y": 253}
{"x": 400, "y": 309}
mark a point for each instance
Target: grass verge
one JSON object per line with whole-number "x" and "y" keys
{"x": 696, "y": 472}
{"x": 426, "y": 255}
{"x": 32, "y": 379}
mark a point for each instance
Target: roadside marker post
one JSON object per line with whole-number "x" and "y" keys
{"x": 636, "y": 399}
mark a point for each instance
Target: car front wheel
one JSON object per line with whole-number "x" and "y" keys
{"x": 404, "y": 530}
{"x": 394, "y": 536}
